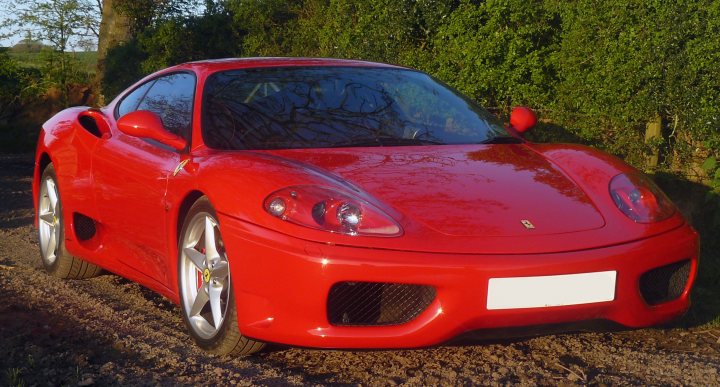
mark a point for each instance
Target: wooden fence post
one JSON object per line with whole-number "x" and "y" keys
{"x": 653, "y": 132}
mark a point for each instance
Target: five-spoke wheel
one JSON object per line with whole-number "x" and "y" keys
{"x": 205, "y": 276}
{"x": 49, "y": 220}
{"x": 205, "y": 287}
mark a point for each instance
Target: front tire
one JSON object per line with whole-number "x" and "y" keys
{"x": 206, "y": 291}
{"x": 51, "y": 233}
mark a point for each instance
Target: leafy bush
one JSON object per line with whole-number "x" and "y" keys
{"x": 18, "y": 86}
{"x": 499, "y": 52}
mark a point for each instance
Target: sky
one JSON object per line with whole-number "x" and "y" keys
{"x": 7, "y": 42}
{"x": 6, "y": 12}
{"x": 16, "y": 38}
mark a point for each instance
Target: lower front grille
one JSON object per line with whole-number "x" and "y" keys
{"x": 665, "y": 283}
{"x": 376, "y": 303}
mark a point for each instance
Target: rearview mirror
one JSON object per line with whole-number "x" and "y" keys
{"x": 146, "y": 124}
{"x": 522, "y": 119}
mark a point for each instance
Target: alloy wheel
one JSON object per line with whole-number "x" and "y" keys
{"x": 49, "y": 220}
{"x": 204, "y": 276}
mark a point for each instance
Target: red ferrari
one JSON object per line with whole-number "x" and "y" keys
{"x": 346, "y": 204}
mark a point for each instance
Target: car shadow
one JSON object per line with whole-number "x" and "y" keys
{"x": 701, "y": 207}
{"x": 16, "y": 206}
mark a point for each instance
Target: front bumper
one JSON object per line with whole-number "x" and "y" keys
{"x": 281, "y": 287}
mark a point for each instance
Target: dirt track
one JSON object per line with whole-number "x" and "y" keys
{"x": 109, "y": 331}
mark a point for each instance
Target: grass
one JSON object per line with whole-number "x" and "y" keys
{"x": 14, "y": 377}
{"x": 88, "y": 59}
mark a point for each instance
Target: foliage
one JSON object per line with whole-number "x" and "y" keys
{"x": 499, "y": 52}
{"x": 168, "y": 33}
{"x": 61, "y": 23}
{"x": 265, "y": 26}
{"x": 87, "y": 59}
{"x": 193, "y": 38}
{"x": 146, "y": 14}
{"x": 395, "y": 31}
{"x": 122, "y": 67}
{"x": 622, "y": 63}
{"x": 18, "y": 87}
{"x": 17, "y": 84}
{"x": 62, "y": 70}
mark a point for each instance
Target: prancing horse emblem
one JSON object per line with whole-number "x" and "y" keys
{"x": 528, "y": 225}
{"x": 206, "y": 275}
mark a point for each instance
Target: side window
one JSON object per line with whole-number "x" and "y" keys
{"x": 171, "y": 98}
{"x": 131, "y": 101}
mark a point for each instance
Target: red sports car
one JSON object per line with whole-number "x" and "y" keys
{"x": 347, "y": 204}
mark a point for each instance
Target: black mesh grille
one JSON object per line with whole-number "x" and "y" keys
{"x": 376, "y": 303}
{"x": 84, "y": 226}
{"x": 665, "y": 283}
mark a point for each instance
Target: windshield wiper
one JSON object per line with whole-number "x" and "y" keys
{"x": 384, "y": 141}
{"x": 501, "y": 140}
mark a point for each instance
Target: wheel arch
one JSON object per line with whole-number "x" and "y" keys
{"x": 183, "y": 209}
{"x": 174, "y": 229}
{"x": 42, "y": 161}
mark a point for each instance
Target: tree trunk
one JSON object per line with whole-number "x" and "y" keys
{"x": 114, "y": 30}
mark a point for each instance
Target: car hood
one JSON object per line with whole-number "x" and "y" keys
{"x": 462, "y": 190}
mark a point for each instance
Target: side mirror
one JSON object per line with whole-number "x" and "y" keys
{"x": 146, "y": 124}
{"x": 522, "y": 119}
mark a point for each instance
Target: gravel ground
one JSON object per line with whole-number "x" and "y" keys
{"x": 109, "y": 331}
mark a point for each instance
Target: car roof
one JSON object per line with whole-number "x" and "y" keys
{"x": 240, "y": 63}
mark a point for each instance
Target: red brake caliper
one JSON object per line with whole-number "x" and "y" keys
{"x": 199, "y": 274}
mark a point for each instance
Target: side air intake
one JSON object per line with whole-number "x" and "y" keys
{"x": 84, "y": 227}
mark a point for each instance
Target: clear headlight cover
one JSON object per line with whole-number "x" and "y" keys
{"x": 328, "y": 209}
{"x": 637, "y": 196}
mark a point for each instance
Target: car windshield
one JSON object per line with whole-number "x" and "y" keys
{"x": 321, "y": 107}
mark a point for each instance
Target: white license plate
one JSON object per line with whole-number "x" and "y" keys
{"x": 552, "y": 290}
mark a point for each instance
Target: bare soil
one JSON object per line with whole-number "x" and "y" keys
{"x": 109, "y": 331}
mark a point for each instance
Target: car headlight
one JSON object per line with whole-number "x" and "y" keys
{"x": 328, "y": 209}
{"x": 639, "y": 198}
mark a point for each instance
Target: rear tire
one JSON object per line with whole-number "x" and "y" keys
{"x": 206, "y": 292}
{"x": 51, "y": 233}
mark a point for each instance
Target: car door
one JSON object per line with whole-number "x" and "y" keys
{"x": 131, "y": 176}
